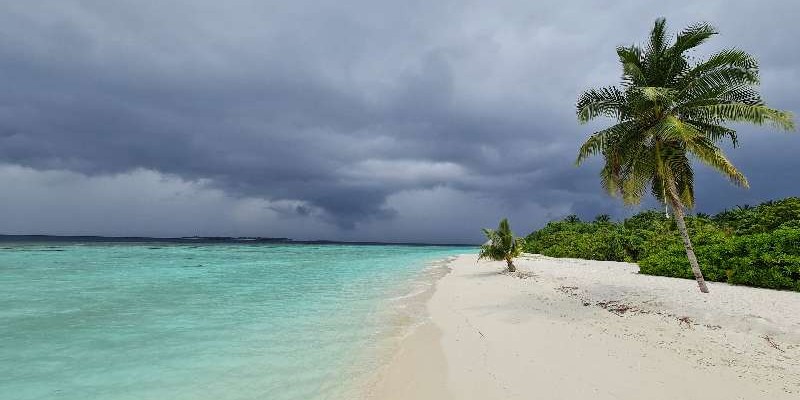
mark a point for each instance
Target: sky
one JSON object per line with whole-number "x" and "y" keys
{"x": 409, "y": 121}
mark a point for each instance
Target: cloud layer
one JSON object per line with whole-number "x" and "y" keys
{"x": 369, "y": 120}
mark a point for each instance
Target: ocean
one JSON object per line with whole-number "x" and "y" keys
{"x": 205, "y": 321}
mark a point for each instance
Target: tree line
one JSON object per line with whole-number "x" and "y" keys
{"x": 754, "y": 246}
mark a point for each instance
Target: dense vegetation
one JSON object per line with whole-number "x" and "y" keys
{"x": 754, "y": 246}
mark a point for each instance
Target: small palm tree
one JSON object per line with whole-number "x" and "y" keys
{"x": 502, "y": 245}
{"x": 670, "y": 111}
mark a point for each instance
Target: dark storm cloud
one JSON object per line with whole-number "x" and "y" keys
{"x": 343, "y": 112}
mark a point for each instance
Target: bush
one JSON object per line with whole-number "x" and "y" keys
{"x": 754, "y": 246}
{"x": 571, "y": 238}
{"x": 770, "y": 260}
{"x": 763, "y": 218}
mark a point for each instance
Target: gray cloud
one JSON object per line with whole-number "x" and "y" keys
{"x": 366, "y": 120}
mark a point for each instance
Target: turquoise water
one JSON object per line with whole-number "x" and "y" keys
{"x": 148, "y": 321}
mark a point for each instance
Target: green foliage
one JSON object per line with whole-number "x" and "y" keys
{"x": 599, "y": 240}
{"x": 763, "y": 218}
{"x": 769, "y": 260}
{"x": 501, "y": 244}
{"x": 755, "y": 246}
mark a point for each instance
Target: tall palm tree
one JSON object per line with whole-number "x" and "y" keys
{"x": 668, "y": 111}
{"x": 502, "y": 245}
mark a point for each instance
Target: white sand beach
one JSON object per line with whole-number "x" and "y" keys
{"x": 577, "y": 329}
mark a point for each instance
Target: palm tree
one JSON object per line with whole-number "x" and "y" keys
{"x": 602, "y": 218}
{"x": 669, "y": 110}
{"x": 502, "y": 245}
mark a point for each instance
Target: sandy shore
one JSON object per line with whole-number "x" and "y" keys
{"x": 576, "y": 329}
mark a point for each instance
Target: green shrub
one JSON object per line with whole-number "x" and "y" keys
{"x": 755, "y": 246}
{"x": 770, "y": 260}
{"x": 599, "y": 240}
{"x": 763, "y": 218}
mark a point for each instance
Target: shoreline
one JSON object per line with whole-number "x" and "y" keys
{"x": 593, "y": 329}
{"x": 408, "y": 316}
{"x": 419, "y": 350}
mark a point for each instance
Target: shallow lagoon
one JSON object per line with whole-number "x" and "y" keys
{"x": 213, "y": 321}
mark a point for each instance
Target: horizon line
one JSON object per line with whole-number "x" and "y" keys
{"x": 209, "y": 239}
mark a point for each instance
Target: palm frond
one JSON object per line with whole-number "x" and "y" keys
{"x": 638, "y": 174}
{"x": 716, "y": 84}
{"x": 740, "y": 112}
{"x": 607, "y": 101}
{"x": 671, "y": 129}
{"x": 632, "y": 69}
{"x": 735, "y": 58}
{"x": 611, "y": 180}
{"x": 742, "y": 94}
{"x": 724, "y": 65}
{"x": 598, "y": 141}
{"x": 711, "y": 155}
{"x": 693, "y": 36}
{"x": 715, "y": 133}
{"x": 658, "y": 36}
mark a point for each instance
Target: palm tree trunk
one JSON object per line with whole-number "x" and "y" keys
{"x": 677, "y": 208}
{"x": 511, "y": 267}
